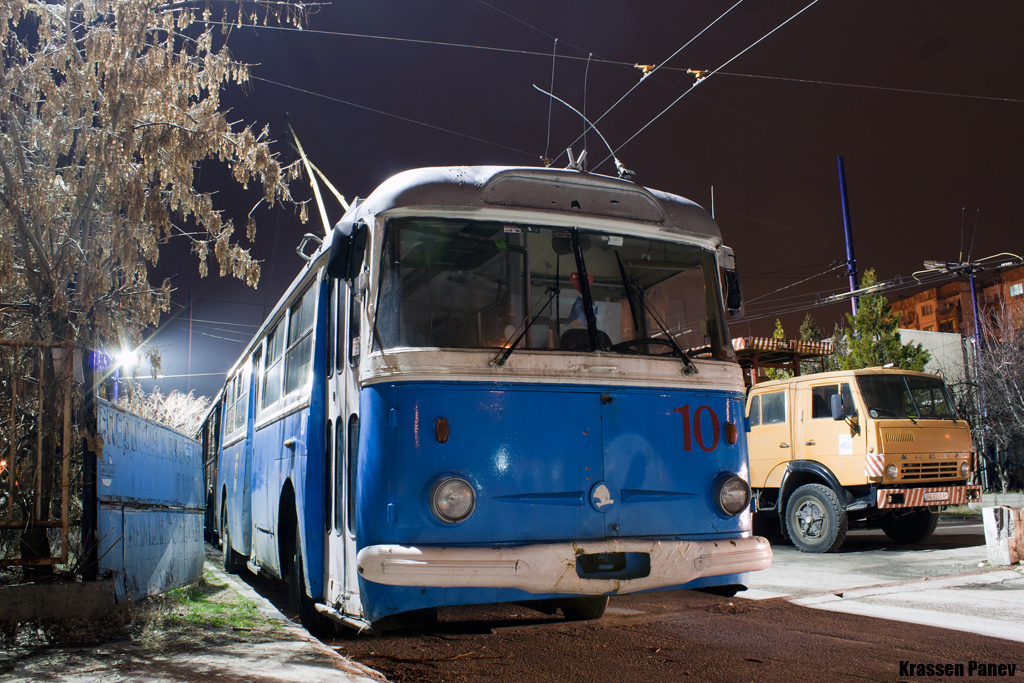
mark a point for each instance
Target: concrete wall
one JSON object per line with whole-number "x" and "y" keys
{"x": 947, "y": 351}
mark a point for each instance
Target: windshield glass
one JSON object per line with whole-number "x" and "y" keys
{"x": 480, "y": 284}
{"x": 901, "y": 396}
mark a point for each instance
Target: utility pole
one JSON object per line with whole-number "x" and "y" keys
{"x": 851, "y": 260}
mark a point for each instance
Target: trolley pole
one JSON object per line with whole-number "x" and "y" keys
{"x": 851, "y": 260}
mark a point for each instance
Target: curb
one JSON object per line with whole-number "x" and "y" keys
{"x": 268, "y": 609}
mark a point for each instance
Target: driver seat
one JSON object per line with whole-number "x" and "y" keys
{"x": 578, "y": 339}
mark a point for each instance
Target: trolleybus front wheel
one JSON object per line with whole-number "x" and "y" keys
{"x": 584, "y": 609}
{"x": 318, "y": 625}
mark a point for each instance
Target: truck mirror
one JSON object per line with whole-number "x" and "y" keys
{"x": 837, "y": 406}
{"x": 348, "y": 249}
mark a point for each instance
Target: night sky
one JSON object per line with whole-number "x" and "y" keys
{"x": 922, "y": 98}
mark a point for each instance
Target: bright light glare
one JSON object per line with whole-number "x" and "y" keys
{"x": 127, "y": 358}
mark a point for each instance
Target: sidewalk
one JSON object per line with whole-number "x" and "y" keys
{"x": 273, "y": 651}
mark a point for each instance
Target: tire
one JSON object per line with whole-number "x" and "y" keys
{"x": 318, "y": 625}
{"x": 234, "y": 562}
{"x": 913, "y": 527}
{"x": 815, "y": 521}
{"x": 584, "y": 609}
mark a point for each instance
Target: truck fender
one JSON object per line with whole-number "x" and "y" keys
{"x": 802, "y": 472}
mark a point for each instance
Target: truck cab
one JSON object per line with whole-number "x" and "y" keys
{"x": 882, "y": 447}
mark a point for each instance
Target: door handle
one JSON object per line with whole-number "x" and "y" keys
{"x": 809, "y": 443}
{"x": 783, "y": 445}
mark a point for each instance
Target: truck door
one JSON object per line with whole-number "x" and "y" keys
{"x": 833, "y": 443}
{"x": 770, "y": 441}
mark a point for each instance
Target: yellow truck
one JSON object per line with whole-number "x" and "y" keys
{"x": 882, "y": 447}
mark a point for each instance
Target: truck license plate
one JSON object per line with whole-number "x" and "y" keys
{"x": 933, "y": 496}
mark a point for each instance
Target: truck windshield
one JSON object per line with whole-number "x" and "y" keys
{"x": 904, "y": 396}
{"x": 479, "y": 284}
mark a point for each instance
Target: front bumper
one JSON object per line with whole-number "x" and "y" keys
{"x": 928, "y": 496}
{"x": 553, "y": 567}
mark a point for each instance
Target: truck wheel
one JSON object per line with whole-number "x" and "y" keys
{"x": 912, "y": 527}
{"x": 318, "y": 625}
{"x": 815, "y": 521}
{"x": 234, "y": 563}
{"x": 583, "y": 609}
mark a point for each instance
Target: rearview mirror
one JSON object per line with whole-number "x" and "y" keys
{"x": 348, "y": 249}
{"x": 730, "y": 281}
{"x": 837, "y": 406}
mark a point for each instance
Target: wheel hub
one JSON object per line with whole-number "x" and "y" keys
{"x": 811, "y": 519}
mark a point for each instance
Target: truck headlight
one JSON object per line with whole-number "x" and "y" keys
{"x": 892, "y": 471}
{"x": 732, "y": 495}
{"x": 965, "y": 469}
{"x": 452, "y": 500}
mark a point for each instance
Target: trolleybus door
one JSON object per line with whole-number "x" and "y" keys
{"x": 343, "y": 403}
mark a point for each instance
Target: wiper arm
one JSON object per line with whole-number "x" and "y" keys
{"x": 503, "y": 356}
{"x": 634, "y": 292}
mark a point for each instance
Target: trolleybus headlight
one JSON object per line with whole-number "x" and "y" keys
{"x": 892, "y": 471}
{"x": 452, "y": 500}
{"x": 965, "y": 469}
{"x": 732, "y": 495}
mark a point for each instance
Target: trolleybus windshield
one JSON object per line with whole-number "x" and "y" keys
{"x": 479, "y": 284}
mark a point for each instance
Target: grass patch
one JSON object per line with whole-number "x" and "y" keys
{"x": 209, "y": 603}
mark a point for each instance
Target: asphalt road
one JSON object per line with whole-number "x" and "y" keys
{"x": 809, "y": 617}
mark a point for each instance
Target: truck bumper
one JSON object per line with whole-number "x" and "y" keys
{"x": 583, "y": 568}
{"x": 930, "y": 496}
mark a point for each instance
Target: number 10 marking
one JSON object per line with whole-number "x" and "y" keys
{"x": 696, "y": 430}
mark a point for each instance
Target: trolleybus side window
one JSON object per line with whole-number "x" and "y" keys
{"x": 339, "y": 475}
{"x": 236, "y": 403}
{"x": 339, "y": 318}
{"x": 353, "y": 327}
{"x": 272, "y": 374}
{"x": 300, "y": 342}
{"x": 353, "y": 466}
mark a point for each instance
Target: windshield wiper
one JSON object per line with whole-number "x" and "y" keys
{"x": 634, "y": 292}
{"x": 503, "y": 356}
{"x": 690, "y": 367}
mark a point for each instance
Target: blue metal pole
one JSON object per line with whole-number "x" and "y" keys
{"x": 851, "y": 260}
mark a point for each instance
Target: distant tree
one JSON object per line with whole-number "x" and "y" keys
{"x": 809, "y": 329}
{"x": 107, "y": 108}
{"x": 778, "y": 373}
{"x": 873, "y": 338}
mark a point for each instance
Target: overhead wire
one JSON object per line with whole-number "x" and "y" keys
{"x": 651, "y": 73}
{"x": 712, "y": 73}
{"x": 910, "y": 91}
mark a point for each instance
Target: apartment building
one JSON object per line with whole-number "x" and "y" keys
{"x": 948, "y": 307}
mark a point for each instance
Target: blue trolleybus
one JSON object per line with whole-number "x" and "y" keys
{"x": 492, "y": 384}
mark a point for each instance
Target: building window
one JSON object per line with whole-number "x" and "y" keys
{"x": 926, "y": 310}
{"x": 1017, "y": 289}
{"x": 930, "y": 328}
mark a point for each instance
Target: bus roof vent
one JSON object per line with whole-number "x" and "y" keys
{"x": 578, "y": 193}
